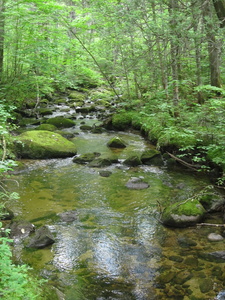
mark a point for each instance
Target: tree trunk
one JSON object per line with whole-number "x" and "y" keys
{"x": 213, "y": 45}
{"x": 174, "y": 51}
{"x": 219, "y": 6}
{"x": 2, "y": 24}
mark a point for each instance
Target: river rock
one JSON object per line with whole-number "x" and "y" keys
{"x": 61, "y": 122}
{"x": 136, "y": 183}
{"x": 77, "y": 96}
{"x": 42, "y": 238}
{"x": 205, "y": 285}
{"x": 68, "y": 216}
{"x": 211, "y": 199}
{"x": 21, "y": 229}
{"x": 85, "y": 128}
{"x": 132, "y": 161}
{"x": 116, "y": 142}
{"x": 147, "y": 156}
{"x": 183, "y": 214}
{"x": 184, "y": 242}
{"x": 41, "y": 144}
{"x": 215, "y": 237}
{"x": 100, "y": 163}
{"x": 105, "y": 173}
{"x": 85, "y": 158}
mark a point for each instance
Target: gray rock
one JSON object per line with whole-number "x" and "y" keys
{"x": 21, "y": 229}
{"x": 68, "y": 216}
{"x": 42, "y": 238}
{"x": 136, "y": 183}
{"x": 215, "y": 237}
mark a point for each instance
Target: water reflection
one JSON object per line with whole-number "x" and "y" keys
{"x": 116, "y": 247}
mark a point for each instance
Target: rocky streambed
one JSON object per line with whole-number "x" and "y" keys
{"x": 101, "y": 207}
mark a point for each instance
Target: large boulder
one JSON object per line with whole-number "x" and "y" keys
{"x": 40, "y": 144}
{"x": 183, "y": 214}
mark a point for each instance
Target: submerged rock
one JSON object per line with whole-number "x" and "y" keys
{"x": 105, "y": 173}
{"x": 42, "y": 238}
{"x": 68, "y": 216}
{"x": 183, "y": 214}
{"x": 215, "y": 237}
{"x": 116, "y": 142}
{"x": 136, "y": 183}
{"x": 38, "y": 144}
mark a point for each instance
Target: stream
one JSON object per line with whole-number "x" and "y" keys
{"x": 116, "y": 247}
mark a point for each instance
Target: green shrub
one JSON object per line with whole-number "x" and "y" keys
{"x": 15, "y": 281}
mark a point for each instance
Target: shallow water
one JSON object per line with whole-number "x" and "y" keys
{"x": 116, "y": 248}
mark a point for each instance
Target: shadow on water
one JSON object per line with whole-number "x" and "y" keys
{"x": 116, "y": 248}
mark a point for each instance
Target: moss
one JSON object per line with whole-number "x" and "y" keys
{"x": 188, "y": 208}
{"x": 45, "y": 111}
{"x": 116, "y": 142}
{"x": 148, "y": 155}
{"x": 183, "y": 214}
{"x": 77, "y": 96}
{"x": 61, "y": 122}
{"x": 37, "y": 144}
{"x": 48, "y": 127}
{"x": 122, "y": 121}
{"x": 86, "y": 157}
{"x": 133, "y": 161}
{"x": 99, "y": 95}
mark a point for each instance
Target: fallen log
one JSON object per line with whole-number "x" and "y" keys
{"x": 192, "y": 167}
{"x": 210, "y": 224}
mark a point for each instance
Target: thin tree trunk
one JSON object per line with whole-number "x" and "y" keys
{"x": 2, "y": 25}
{"x": 174, "y": 52}
{"x": 213, "y": 45}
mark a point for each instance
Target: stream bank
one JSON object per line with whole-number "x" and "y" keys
{"x": 115, "y": 248}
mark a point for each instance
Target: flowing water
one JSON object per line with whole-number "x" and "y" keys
{"x": 116, "y": 248}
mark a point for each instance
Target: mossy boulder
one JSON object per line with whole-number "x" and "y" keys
{"x": 132, "y": 161}
{"x": 45, "y": 111}
{"x": 211, "y": 200}
{"x": 41, "y": 144}
{"x": 85, "y": 127}
{"x": 116, "y": 142}
{"x": 61, "y": 122}
{"x": 77, "y": 96}
{"x": 100, "y": 163}
{"x": 122, "y": 121}
{"x": 183, "y": 214}
{"x": 48, "y": 127}
{"x": 85, "y": 158}
{"x": 147, "y": 156}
